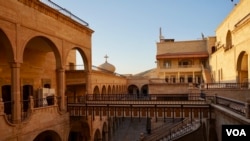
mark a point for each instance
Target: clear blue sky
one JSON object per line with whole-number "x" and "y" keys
{"x": 127, "y": 30}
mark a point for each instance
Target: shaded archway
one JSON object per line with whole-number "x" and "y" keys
{"x": 48, "y": 136}
{"x": 105, "y": 132}
{"x": 229, "y": 40}
{"x": 6, "y": 56}
{"x": 96, "y": 90}
{"x": 76, "y": 68}
{"x": 104, "y": 90}
{"x": 133, "y": 90}
{"x": 80, "y": 131}
{"x": 109, "y": 90}
{"x": 41, "y": 59}
{"x": 144, "y": 90}
{"x": 97, "y": 135}
{"x": 242, "y": 67}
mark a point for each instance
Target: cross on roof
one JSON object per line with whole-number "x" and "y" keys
{"x": 106, "y": 57}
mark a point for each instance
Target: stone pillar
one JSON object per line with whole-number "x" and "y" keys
{"x": 89, "y": 84}
{"x": 61, "y": 88}
{"x": 248, "y": 108}
{"x": 16, "y": 92}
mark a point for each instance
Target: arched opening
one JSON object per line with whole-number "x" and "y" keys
{"x": 41, "y": 60}
{"x": 113, "y": 90}
{"x": 109, "y": 90}
{"x": 76, "y": 68}
{"x": 104, "y": 90}
{"x": 229, "y": 40}
{"x": 79, "y": 132}
{"x": 48, "y": 136}
{"x": 96, "y": 90}
{"x": 242, "y": 68}
{"x": 133, "y": 90}
{"x": 105, "y": 132}
{"x": 6, "y": 96}
{"x": 213, "y": 49}
{"x": 144, "y": 90}
{"x": 6, "y": 56}
{"x": 97, "y": 135}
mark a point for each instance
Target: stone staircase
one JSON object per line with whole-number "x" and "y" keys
{"x": 132, "y": 130}
{"x": 172, "y": 132}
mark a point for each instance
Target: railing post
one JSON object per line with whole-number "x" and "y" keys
{"x": 248, "y": 108}
{"x": 31, "y": 105}
{"x": 215, "y": 99}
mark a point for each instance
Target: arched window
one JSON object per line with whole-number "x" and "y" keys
{"x": 213, "y": 49}
{"x": 229, "y": 40}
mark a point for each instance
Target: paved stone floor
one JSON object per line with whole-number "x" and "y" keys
{"x": 131, "y": 130}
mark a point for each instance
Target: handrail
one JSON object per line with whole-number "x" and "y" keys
{"x": 174, "y": 131}
{"x": 224, "y": 85}
{"x": 234, "y": 105}
{"x": 64, "y": 11}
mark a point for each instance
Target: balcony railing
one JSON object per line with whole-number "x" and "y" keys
{"x": 225, "y": 85}
{"x": 231, "y": 104}
{"x": 64, "y": 11}
{"x": 180, "y": 66}
{"x": 27, "y": 106}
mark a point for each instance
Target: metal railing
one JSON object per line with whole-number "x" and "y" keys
{"x": 173, "y": 132}
{"x": 233, "y": 105}
{"x": 131, "y": 97}
{"x": 225, "y": 85}
{"x": 64, "y": 11}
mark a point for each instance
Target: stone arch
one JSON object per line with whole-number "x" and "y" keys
{"x": 242, "y": 67}
{"x": 133, "y": 89}
{"x": 97, "y": 135}
{"x": 104, "y": 91}
{"x": 6, "y": 50}
{"x": 83, "y": 56}
{"x": 96, "y": 90}
{"x": 44, "y": 44}
{"x": 48, "y": 135}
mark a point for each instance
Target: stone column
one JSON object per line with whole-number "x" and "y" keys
{"x": 16, "y": 92}
{"x": 61, "y": 88}
{"x": 89, "y": 84}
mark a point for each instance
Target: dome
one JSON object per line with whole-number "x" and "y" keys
{"x": 107, "y": 66}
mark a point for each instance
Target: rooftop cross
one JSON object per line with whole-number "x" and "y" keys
{"x": 106, "y": 57}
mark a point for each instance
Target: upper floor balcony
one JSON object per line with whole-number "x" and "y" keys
{"x": 180, "y": 68}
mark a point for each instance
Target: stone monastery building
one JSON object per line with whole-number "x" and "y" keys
{"x": 45, "y": 96}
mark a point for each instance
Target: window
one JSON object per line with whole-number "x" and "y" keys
{"x": 185, "y": 63}
{"x": 167, "y": 64}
